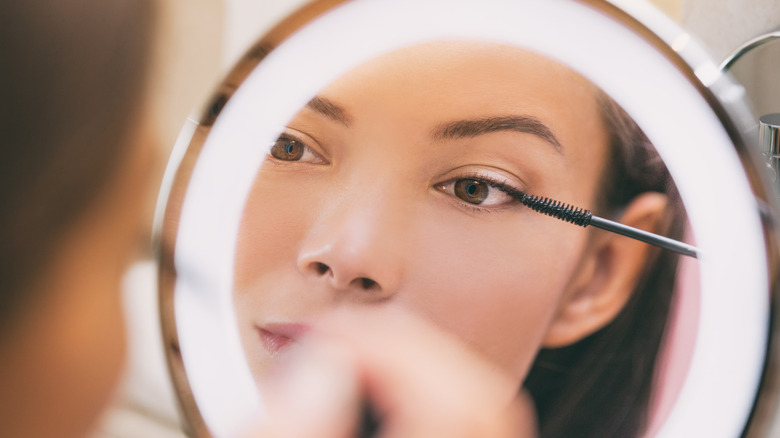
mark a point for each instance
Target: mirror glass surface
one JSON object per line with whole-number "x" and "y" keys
{"x": 372, "y": 167}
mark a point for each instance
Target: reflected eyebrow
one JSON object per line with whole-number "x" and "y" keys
{"x": 477, "y": 127}
{"x": 330, "y": 110}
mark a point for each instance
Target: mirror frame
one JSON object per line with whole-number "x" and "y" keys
{"x": 687, "y": 58}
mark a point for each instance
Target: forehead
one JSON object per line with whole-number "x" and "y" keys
{"x": 450, "y": 77}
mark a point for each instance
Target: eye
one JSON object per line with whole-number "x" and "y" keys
{"x": 286, "y": 148}
{"x": 471, "y": 190}
{"x": 478, "y": 191}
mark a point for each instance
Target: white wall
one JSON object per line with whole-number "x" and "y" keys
{"x": 246, "y": 20}
{"x": 723, "y": 25}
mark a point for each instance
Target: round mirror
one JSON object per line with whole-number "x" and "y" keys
{"x": 344, "y": 163}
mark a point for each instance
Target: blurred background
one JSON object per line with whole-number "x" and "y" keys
{"x": 199, "y": 40}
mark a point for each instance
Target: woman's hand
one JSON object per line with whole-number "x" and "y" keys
{"x": 419, "y": 381}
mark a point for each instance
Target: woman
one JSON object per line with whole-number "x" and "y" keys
{"x": 392, "y": 187}
{"x": 73, "y": 181}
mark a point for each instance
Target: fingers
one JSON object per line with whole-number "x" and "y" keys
{"x": 402, "y": 355}
{"x": 314, "y": 392}
{"x": 419, "y": 380}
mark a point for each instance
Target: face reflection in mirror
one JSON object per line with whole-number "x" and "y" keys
{"x": 386, "y": 189}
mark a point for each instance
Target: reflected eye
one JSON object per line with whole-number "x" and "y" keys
{"x": 471, "y": 191}
{"x": 289, "y": 149}
{"x": 479, "y": 191}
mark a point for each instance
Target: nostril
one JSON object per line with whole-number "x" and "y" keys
{"x": 368, "y": 283}
{"x": 324, "y": 270}
{"x": 321, "y": 268}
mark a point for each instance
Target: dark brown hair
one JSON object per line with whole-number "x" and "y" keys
{"x": 71, "y": 75}
{"x": 601, "y": 385}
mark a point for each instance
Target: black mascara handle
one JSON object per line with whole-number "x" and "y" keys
{"x": 369, "y": 422}
{"x": 644, "y": 236}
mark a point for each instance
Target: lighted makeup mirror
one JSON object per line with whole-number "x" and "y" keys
{"x": 516, "y": 98}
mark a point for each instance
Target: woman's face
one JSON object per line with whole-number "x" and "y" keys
{"x": 385, "y": 190}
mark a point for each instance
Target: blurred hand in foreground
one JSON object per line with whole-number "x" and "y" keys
{"x": 419, "y": 381}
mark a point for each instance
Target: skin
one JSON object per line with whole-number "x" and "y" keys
{"x": 373, "y": 198}
{"x": 69, "y": 348}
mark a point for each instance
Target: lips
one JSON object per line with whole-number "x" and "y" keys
{"x": 277, "y": 337}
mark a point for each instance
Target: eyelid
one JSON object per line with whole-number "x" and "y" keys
{"x": 496, "y": 178}
{"x": 496, "y": 181}
{"x": 306, "y": 139}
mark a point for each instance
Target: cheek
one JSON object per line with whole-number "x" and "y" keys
{"x": 497, "y": 286}
{"x": 274, "y": 222}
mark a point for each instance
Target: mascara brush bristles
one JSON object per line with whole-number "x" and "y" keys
{"x": 559, "y": 210}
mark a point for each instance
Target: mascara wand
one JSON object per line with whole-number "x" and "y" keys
{"x": 583, "y": 218}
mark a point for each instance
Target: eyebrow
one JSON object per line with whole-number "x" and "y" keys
{"x": 474, "y": 128}
{"x": 330, "y": 110}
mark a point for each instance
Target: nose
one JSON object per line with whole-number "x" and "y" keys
{"x": 355, "y": 248}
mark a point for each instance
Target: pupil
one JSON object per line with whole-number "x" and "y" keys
{"x": 471, "y": 189}
{"x": 289, "y": 148}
